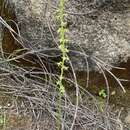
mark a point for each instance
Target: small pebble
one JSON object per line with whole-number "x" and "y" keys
{"x": 127, "y": 119}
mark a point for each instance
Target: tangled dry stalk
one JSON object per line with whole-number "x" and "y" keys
{"x": 35, "y": 94}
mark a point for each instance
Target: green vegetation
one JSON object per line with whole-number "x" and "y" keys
{"x": 62, "y": 40}
{"x": 102, "y": 93}
{"x": 3, "y": 120}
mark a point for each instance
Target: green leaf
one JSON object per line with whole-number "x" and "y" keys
{"x": 62, "y": 89}
{"x": 102, "y": 93}
{"x": 2, "y": 119}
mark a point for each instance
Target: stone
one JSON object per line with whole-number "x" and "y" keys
{"x": 100, "y": 29}
{"x": 127, "y": 118}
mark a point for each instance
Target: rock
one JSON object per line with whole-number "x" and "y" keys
{"x": 100, "y": 29}
{"x": 127, "y": 118}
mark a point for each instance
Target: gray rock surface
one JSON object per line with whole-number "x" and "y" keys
{"x": 100, "y": 28}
